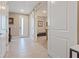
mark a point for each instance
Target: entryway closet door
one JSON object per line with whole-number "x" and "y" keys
{"x": 62, "y": 28}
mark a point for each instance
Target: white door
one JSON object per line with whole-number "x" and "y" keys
{"x": 23, "y": 24}
{"x": 62, "y": 28}
{"x": 3, "y": 28}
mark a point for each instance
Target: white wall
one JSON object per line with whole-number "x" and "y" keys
{"x": 15, "y": 27}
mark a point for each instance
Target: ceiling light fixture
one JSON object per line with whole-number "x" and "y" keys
{"x": 22, "y": 10}
{"x": 44, "y": 11}
{"x": 2, "y": 7}
{"x": 53, "y": 2}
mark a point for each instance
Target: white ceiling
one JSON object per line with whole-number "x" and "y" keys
{"x": 42, "y": 9}
{"x": 24, "y": 7}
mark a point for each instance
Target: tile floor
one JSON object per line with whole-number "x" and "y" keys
{"x": 43, "y": 41}
{"x": 25, "y": 48}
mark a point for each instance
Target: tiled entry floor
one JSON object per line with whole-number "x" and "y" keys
{"x": 26, "y": 48}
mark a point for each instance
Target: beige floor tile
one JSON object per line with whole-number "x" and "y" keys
{"x": 26, "y": 48}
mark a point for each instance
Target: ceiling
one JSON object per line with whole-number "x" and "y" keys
{"x": 42, "y": 9}
{"x": 24, "y": 7}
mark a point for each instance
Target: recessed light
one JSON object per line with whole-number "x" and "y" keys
{"x": 2, "y": 7}
{"x": 44, "y": 11}
{"x": 53, "y": 2}
{"x": 22, "y": 10}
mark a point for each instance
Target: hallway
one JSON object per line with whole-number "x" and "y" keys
{"x": 53, "y": 24}
{"x": 25, "y": 48}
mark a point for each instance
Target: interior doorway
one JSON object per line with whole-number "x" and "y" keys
{"x": 42, "y": 24}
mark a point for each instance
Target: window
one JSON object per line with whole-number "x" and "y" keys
{"x": 0, "y": 22}
{"x": 4, "y": 23}
{"x": 21, "y": 25}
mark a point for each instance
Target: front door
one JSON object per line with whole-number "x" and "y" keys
{"x": 23, "y": 26}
